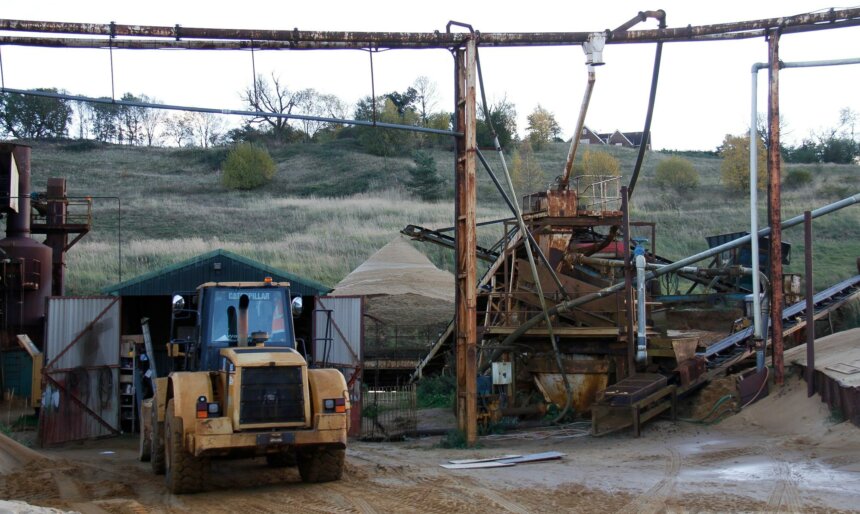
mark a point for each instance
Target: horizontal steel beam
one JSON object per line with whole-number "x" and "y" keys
{"x": 215, "y": 38}
{"x": 232, "y": 112}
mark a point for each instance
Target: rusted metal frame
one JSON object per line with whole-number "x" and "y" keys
{"x": 233, "y": 112}
{"x": 466, "y": 238}
{"x": 628, "y": 283}
{"x": 659, "y": 15}
{"x": 86, "y": 329}
{"x": 775, "y": 207}
{"x": 531, "y": 239}
{"x": 528, "y": 245}
{"x": 711, "y": 252}
{"x": 810, "y": 304}
{"x": 808, "y": 21}
{"x": 75, "y": 399}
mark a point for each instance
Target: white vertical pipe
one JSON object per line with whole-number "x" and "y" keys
{"x": 756, "y": 286}
{"x": 641, "y": 339}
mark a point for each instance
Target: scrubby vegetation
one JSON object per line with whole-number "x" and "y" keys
{"x": 331, "y": 205}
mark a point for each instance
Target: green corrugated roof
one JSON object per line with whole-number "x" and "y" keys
{"x": 188, "y": 274}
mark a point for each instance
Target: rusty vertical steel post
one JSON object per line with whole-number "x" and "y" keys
{"x": 466, "y": 241}
{"x": 774, "y": 206}
{"x": 810, "y": 304}
{"x": 628, "y": 283}
{"x": 57, "y": 240}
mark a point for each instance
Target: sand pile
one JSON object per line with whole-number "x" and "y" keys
{"x": 789, "y": 412}
{"x": 396, "y": 269}
{"x": 14, "y": 455}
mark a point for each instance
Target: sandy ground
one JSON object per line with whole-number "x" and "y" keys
{"x": 780, "y": 455}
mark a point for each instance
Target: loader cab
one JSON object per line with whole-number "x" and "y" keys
{"x": 235, "y": 315}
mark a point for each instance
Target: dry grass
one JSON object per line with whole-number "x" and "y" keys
{"x": 329, "y": 207}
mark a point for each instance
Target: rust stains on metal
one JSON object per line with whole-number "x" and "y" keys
{"x": 775, "y": 206}
{"x": 166, "y": 36}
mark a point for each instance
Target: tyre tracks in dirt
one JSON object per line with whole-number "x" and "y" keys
{"x": 654, "y": 499}
{"x": 785, "y": 496}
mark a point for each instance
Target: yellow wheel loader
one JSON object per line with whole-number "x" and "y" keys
{"x": 239, "y": 388}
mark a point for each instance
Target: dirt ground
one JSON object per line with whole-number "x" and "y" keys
{"x": 782, "y": 454}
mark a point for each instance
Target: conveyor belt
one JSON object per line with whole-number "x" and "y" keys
{"x": 833, "y": 297}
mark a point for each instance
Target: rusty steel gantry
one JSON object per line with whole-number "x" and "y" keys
{"x": 464, "y": 46}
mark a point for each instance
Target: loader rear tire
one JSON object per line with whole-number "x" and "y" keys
{"x": 185, "y": 473}
{"x": 320, "y": 463}
{"x": 156, "y": 439}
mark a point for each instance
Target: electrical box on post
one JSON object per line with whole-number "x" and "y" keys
{"x": 502, "y": 373}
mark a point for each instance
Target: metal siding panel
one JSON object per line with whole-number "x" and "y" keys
{"x": 346, "y": 323}
{"x": 67, "y": 317}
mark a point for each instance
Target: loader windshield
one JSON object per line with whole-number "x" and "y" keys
{"x": 266, "y": 308}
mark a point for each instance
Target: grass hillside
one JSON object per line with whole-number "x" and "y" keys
{"x": 330, "y": 206}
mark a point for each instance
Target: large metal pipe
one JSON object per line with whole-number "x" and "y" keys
{"x": 641, "y": 338}
{"x": 296, "y": 39}
{"x": 675, "y": 266}
{"x": 810, "y": 305}
{"x": 756, "y": 286}
{"x": 652, "y": 96}
{"x": 580, "y": 123}
{"x": 756, "y": 292}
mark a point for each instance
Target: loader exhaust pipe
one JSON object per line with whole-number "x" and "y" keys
{"x": 244, "y": 302}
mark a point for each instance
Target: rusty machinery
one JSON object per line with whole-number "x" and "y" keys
{"x": 464, "y": 46}
{"x": 31, "y": 271}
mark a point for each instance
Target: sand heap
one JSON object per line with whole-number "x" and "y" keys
{"x": 397, "y": 268}
{"x": 402, "y": 286}
{"x": 14, "y": 455}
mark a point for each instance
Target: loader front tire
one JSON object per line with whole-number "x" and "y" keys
{"x": 156, "y": 440}
{"x": 320, "y": 463}
{"x": 184, "y": 473}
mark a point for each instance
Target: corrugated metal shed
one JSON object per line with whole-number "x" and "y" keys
{"x": 81, "y": 396}
{"x": 345, "y": 332}
{"x": 67, "y": 320}
{"x": 215, "y": 266}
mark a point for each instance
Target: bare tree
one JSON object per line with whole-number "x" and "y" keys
{"x": 130, "y": 120}
{"x": 179, "y": 128}
{"x": 207, "y": 127}
{"x": 267, "y": 96}
{"x": 83, "y": 115}
{"x": 151, "y": 121}
{"x": 426, "y": 99}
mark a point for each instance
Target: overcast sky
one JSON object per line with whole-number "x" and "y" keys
{"x": 704, "y": 88}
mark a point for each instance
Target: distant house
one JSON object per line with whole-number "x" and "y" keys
{"x": 624, "y": 139}
{"x": 617, "y": 138}
{"x": 589, "y": 137}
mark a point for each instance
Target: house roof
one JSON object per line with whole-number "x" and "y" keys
{"x": 635, "y": 138}
{"x": 215, "y": 266}
{"x": 593, "y": 133}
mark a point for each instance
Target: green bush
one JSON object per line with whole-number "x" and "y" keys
{"x": 798, "y": 178}
{"x": 247, "y": 167}
{"x": 438, "y": 391}
{"x": 676, "y": 173}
